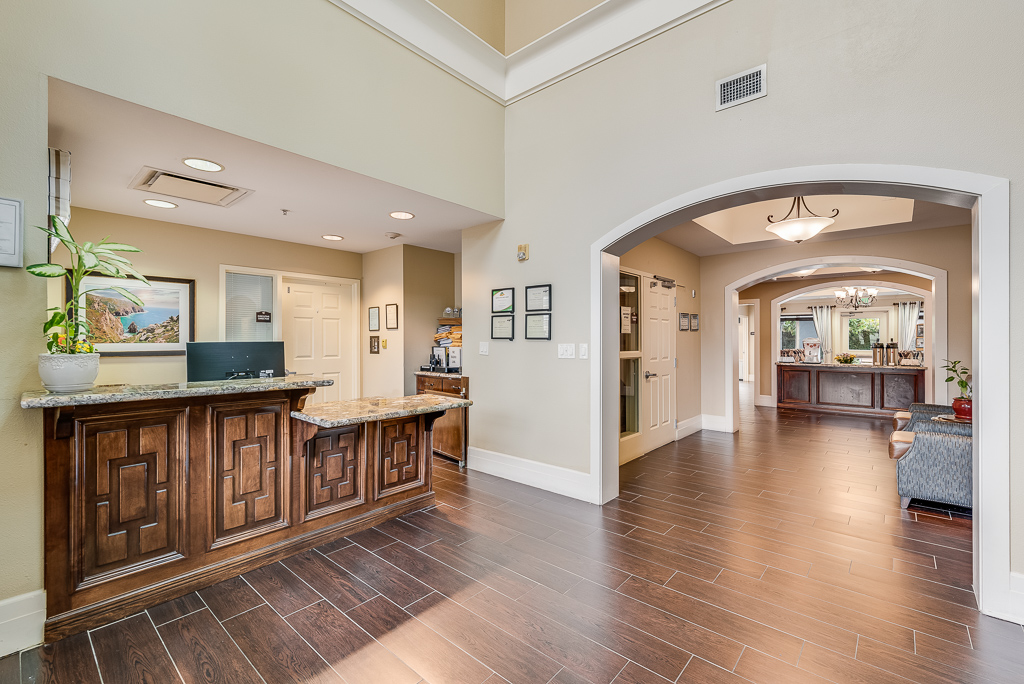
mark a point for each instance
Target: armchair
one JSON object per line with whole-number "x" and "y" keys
{"x": 934, "y": 466}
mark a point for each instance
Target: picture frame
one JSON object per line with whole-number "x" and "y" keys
{"x": 920, "y": 330}
{"x": 684, "y": 321}
{"x": 169, "y": 316}
{"x": 538, "y": 326}
{"x": 373, "y": 316}
{"x": 375, "y": 344}
{"x": 440, "y": 354}
{"x": 919, "y": 343}
{"x": 538, "y": 297}
{"x": 391, "y": 316}
{"x": 503, "y": 327}
{"x": 694, "y": 322}
{"x": 503, "y": 300}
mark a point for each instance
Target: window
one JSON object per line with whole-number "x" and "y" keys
{"x": 245, "y": 294}
{"x": 793, "y": 330}
{"x": 863, "y": 329}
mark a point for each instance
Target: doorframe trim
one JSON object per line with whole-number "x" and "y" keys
{"x": 279, "y": 277}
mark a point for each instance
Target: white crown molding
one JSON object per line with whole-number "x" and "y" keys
{"x": 596, "y": 35}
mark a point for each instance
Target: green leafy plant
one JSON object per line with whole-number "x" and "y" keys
{"x": 960, "y": 375}
{"x": 67, "y": 327}
{"x": 846, "y": 359}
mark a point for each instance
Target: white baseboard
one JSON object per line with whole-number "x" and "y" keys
{"x": 21, "y": 621}
{"x": 715, "y": 423}
{"x": 764, "y": 400}
{"x": 689, "y": 426}
{"x": 572, "y": 483}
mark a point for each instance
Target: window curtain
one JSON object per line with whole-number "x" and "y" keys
{"x": 822, "y": 316}
{"x": 906, "y": 323}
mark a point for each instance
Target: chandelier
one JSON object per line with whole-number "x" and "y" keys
{"x": 799, "y": 228}
{"x": 855, "y": 297}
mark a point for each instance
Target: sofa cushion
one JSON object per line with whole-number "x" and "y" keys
{"x": 901, "y": 420}
{"x": 900, "y": 443}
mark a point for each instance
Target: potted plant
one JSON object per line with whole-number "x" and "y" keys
{"x": 846, "y": 359}
{"x": 962, "y": 405}
{"x": 70, "y": 362}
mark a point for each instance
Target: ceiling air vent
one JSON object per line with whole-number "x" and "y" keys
{"x": 742, "y": 87}
{"x": 169, "y": 184}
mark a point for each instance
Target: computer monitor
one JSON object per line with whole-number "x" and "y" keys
{"x": 233, "y": 360}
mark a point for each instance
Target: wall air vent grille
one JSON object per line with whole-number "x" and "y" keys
{"x": 742, "y": 87}
{"x": 157, "y": 182}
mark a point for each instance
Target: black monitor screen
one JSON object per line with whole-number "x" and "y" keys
{"x": 232, "y": 360}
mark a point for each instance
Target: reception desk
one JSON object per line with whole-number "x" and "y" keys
{"x": 153, "y": 491}
{"x": 849, "y": 389}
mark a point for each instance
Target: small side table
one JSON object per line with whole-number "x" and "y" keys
{"x": 951, "y": 418}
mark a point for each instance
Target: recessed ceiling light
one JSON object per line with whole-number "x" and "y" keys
{"x": 334, "y": 238}
{"x": 202, "y": 164}
{"x": 161, "y": 204}
{"x": 402, "y": 215}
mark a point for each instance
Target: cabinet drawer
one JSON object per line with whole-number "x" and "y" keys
{"x": 458, "y": 386}
{"x": 428, "y": 383}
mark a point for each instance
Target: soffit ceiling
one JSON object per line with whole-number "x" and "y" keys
{"x": 859, "y": 217}
{"x": 110, "y": 140}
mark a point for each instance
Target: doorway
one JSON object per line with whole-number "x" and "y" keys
{"x": 316, "y": 315}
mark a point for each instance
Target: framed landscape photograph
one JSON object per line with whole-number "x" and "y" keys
{"x": 160, "y": 327}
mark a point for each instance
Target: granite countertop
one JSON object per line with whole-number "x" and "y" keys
{"x": 430, "y": 374}
{"x": 111, "y": 394}
{"x": 335, "y": 414}
{"x": 854, "y": 366}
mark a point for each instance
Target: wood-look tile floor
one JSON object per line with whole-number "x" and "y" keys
{"x": 779, "y": 554}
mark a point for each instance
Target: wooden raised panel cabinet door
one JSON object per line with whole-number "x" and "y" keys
{"x": 130, "y": 492}
{"x": 400, "y": 465}
{"x": 335, "y": 474}
{"x": 250, "y": 468}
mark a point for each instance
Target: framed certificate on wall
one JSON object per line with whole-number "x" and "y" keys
{"x": 538, "y": 298}
{"x": 503, "y": 300}
{"x": 538, "y": 326}
{"x": 503, "y": 327}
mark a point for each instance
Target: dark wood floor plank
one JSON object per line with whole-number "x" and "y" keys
{"x": 354, "y": 654}
{"x": 407, "y": 534}
{"x": 279, "y": 586}
{"x": 590, "y": 514}
{"x": 371, "y": 539}
{"x": 662, "y": 556}
{"x": 67, "y": 660}
{"x": 176, "y": 608}
{"x": 442, "y": 578}
{"x": 751, "y": 553}
{"x": 706, "y": 554}
{"x": 844, "y": 670}
{"x": 511, "y": 521}
{"x": 634, "y": 674}
{"x": 276, "y": 650}
{"x": 432, "y": 656}
{"x": 203, "y": 651}
{"x": 334, "y": 545}
{"x": 640, "y": 647}
{"x": 230, "y": 597}
{"x": 762, "y": 669}
{"x": 526, "y": 565}
{"x": 495, "y": 576}
{"x": 479, "y": 526}
{"x": 329, "y": 580}
{"x": 450, "y": 532}
{"x": 568, "y": 561}
{"x": 397, "y": 585}
{"x": 130, "y": 651}
{"x": 509, "y": 657}
{"x": 914, "y": 667}
{"x": 579, "y": 654}
{"x": 702, "y": 671}
{"x": 1004, "y": 666}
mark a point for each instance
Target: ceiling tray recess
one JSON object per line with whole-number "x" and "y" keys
{"x": 169, "y": 184}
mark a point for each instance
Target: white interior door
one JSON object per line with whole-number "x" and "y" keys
{"x": 744, "y": 347}
{"x": 658, "y": 400}
{"x": 318, "y": 336}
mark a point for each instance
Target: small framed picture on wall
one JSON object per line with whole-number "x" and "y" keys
{"x": 684, "y": 321}
{"x": 920, "y": 329}
{"x": 694, "y": 321}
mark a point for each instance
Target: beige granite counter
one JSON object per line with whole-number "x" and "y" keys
{"x": 853, "y": 366}
{"x": 112, "y": 394}
{"x": 431, "y": 374}
{"x": 341, "y": 413}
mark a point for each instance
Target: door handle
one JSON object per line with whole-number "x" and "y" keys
{"x": 648, "y": 375}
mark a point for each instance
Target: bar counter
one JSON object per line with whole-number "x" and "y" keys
{"x": 154, "y": 491}
{"x": 849, "y": 389}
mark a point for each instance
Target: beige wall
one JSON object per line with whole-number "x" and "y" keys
{"x": 175, "y": 250}
{"x": 429, "y": 284}
{"x": 256, "y": 84}
{"x": 660, "y": 258}
{"x": 850, "y": 83}
{"x": 458, "y": 280}
{"x": 767, "y": 291}
{"x": 528, "y": 20}
{"x": 383, "y": 273}
{"x": 485, "y": 18}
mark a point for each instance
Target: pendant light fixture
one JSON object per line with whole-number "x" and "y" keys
{"x": 851, "y": 297}
{"x": 799, "y": 228}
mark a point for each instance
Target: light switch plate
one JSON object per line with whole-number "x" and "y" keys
{"x": 485, "y": 348}
{"x": 567, "y": 351}
{"x": 584, "y": 350}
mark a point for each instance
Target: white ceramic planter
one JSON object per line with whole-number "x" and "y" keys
{"x": 68, "y": 372}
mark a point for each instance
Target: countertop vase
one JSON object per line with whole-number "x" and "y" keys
{"x": 68, "y": 372}
{"x": 963, "y": 408}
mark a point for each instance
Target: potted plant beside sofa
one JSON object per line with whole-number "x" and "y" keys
{"x": 961, "y": 375}
{"x": 70, "y": 362}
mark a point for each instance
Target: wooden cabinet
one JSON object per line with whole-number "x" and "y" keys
{"x": 850, "y": 390}
{"x": 451, "y": 431}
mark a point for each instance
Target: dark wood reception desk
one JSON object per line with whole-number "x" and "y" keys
{"x": 153, "y": 491}
{"x": 849, "y": 389}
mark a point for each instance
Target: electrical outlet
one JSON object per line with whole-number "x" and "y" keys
{"x": 567, "y": 351}
{"x": 584, "y": 350}
{"x": 485, "y": 348}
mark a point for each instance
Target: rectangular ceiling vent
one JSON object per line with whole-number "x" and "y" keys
{"x": 178, "y": 186}
{"x": 742, "y": 87}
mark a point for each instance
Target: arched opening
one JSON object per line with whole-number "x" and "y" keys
{"x": 988, "y": 199}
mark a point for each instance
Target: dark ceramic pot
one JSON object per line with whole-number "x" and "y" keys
{"x": 962, "y": 408}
